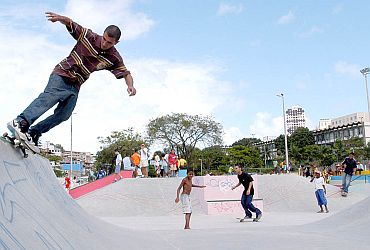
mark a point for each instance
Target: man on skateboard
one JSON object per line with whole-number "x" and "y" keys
{"x": 350, "y": 167}
{"x": 92, "y": 52}
{"x": 247, "y": 181}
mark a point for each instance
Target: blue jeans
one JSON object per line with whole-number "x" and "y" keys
{"x": 57, "y": 91}
{"x": 246, "y": 201}
{"x": 346, "y": 180}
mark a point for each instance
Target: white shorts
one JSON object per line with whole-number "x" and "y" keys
{"x": 144, "y": 163}
{"x": 118, "y": 169}
{"x": 186, "y": 203}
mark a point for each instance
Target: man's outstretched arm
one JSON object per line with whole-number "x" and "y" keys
{"x": 130, "y": 85}
{"x": 53, "y": 17}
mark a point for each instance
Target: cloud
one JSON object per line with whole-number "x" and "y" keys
{"x": 225, "y": 9}
{"x": 97, "y": 15}
{"x": 266, "y": 125}
{"x": 337, "y": 8}
{"x": 232, "y": 134}
{"x": 345, "y": 68}
{"x": 288, "y": 18}
{"x": 314, "y": 30}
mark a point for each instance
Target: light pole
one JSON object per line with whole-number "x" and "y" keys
{"x": 365, "y": 72}
{"x": 71, "y": 145}
{"x": 285, "y": 133}
{"x": 201, "y": 167}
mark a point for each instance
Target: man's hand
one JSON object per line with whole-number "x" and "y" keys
{"x": 177, "y": 200}
{"x": 131, "y": 90}
{"x": 53, "y": 17}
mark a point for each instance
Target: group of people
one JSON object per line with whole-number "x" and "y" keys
{"x": 165, "y": 165}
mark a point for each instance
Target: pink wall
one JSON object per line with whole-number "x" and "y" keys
{"x": 218, "y": 198}
{"x": 89, "y": 187}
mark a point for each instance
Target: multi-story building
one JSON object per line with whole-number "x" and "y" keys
{"x": 349, "y": 119}
{"x": 295, "y": 118}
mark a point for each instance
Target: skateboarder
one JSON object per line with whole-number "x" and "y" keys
{"x": 247, "y": 181}
{"x": 92, "y": 52}
{"x": 320, "y": 191}
{"x": 350, "y": 166}
{"x": 186, "y": 185}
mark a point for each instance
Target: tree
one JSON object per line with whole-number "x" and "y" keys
{"x": 184, "y": 132}
{"x": 125, "y": 141}
{"x": 247, "y": 156}
{"x": 246, "y": 142}
{"x": 302, "y": 137}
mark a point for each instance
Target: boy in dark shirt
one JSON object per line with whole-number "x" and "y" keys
{"x": 247, "y": 181}
{"x": 350, "y": 166}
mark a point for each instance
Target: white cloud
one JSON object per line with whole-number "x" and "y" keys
{"x": 314, "y": 30}
{"x": 232, "y": 134}
{"x": 337, "y": 8}
{"x": 288, "y": 18}
{"x": 348, "y": 69}
{"x": 224, "y": 9}
{"x": 97, "y": 15}
{"x": 266, "y": 125}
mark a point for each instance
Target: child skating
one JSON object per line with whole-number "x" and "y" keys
{"x": 320, "y": 192}
{"x": 186, "y": 185}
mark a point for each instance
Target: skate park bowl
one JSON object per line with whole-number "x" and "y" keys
{"x": 37, "y": 213}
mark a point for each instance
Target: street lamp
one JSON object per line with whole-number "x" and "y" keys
{"x": 365, "y": 72}
{"x": 71, "y": 145}
{"x": 285, "y": 132}
{"x": 201, "y": 167}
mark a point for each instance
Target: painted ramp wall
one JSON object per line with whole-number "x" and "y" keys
{"x": 37, "y": 213}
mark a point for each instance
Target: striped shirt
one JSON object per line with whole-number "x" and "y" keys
{"x": 87, "y": 57}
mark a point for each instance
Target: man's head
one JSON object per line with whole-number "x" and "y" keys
{"x": 142, "y": 145}
{"x": 238, "y": 169}
{"x": 317, "y": 174}
{"x": 351, "y": 155}
{"x": 111, "y": 37}
{"x": 190, "y": 173}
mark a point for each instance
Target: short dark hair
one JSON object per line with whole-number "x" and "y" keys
{"x": 190, "y": 170}
{"x": 113, "y": 31}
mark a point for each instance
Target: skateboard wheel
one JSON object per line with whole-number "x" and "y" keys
{"x": 5, "y": 134}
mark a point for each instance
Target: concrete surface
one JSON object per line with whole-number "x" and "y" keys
{"x": 36, "y": 213}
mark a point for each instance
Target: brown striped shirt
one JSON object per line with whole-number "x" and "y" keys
{"x": 87, "y": 57}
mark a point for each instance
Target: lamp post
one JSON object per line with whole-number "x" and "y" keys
{"x": 365, "y": 72}
{"x": 201, "y": 167}
{"x": 285, "y": 133}
{"x": 71, "y": 145}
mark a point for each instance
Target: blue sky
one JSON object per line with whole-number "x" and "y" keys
{"x": 227, "y": 59}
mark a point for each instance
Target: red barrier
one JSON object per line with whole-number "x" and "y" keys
{"x": 89, "y": 187}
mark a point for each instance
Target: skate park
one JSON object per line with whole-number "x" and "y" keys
{"x": 37, "y": 213}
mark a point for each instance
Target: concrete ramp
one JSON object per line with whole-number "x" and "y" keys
{"x": 36, "y": 212}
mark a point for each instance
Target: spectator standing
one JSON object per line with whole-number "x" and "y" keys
{"x": 135, "y": 158}
{"x": 144, "y": 160}
{"x": 172, "y": 162}
{"x": 117, "y": 170}
{"x": 320, "y": 191}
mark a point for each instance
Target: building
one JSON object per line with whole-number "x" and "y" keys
{"x": 324, "y": 123}
{"x": 295, "y": 118}
{"x": 349, "y": 119}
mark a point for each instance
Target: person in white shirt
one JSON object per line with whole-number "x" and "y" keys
{"x": 118, "y": 166}
{"x": 320, "y": 191}
{"x": 144, "y": 163}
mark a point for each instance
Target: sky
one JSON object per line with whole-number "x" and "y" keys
{"x": 225, "y": 59}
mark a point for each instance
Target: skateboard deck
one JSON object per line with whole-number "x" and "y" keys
{"x": 19, "y": 142}
{"x": 246, "y": 220}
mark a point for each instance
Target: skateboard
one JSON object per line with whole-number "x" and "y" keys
{"x": 20, "y": 143}
{"x": 246, "y": 220}
{"x": 15, "y": 143}
{"x": 344, "y": 194}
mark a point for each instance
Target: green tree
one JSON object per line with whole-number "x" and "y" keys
{"x": 125, "y": 141}
{"x": 184, "y": 132}
{"x": 246, "y": 142}
{"x": 248, "y": 156}
{"x": 302, "y": 137}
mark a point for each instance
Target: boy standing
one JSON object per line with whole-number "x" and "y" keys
{"x": 118, "y": 165}
{"x": 320, "y": 192}
{"x": 247, "y": 196}
{"x": 186, "y": 185}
